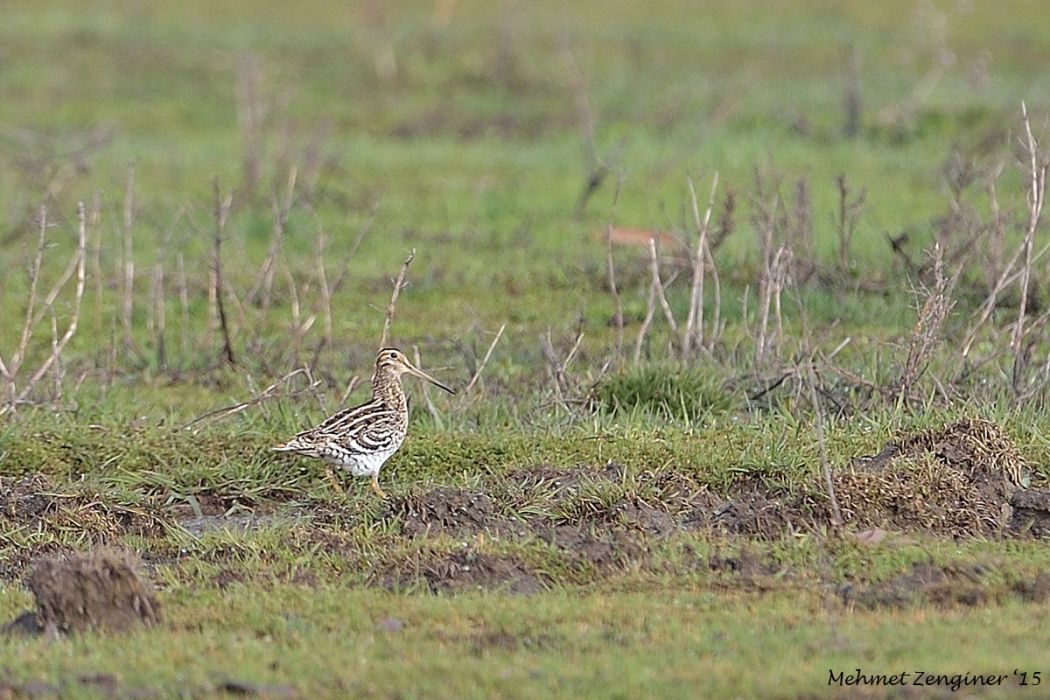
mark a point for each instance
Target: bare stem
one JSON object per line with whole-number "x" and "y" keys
{"x": 392, "y": 306}
{"x": 59, "y": 346}
{"x": 485, "y": 360}
{"x": 267, "y": 393}
{"x": 655, "y": 288}
{"x": 694, "y": 324}
{"x": 34, "y": 281}
{"x": 128, "y": 253}
{"x": 222, "y": 211}
{"x": 1035, "y": 207}
{"x": 611, "y": 271}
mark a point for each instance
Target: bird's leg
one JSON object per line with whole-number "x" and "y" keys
{"x": 375, "y": 486}
{"x": 329, "y": 475}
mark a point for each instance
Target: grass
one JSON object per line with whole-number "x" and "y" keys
{"x": 568, "y": 645}
{"x": 543, "y": 533}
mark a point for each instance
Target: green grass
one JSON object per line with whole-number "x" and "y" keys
{"x": 331, "y": 642}
{"x": 472, "y": 153}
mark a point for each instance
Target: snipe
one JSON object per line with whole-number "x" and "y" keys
{"x": 361, "y": 439}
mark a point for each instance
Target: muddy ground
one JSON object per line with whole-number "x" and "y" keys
{"x": 556, "y": 526}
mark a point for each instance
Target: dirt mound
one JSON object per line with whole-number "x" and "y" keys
{"x": 33, "y": 503}
{"x": 976, "y": 447}
{"x": 1031, "y": 513}
{"x": 99, "y": 590}
{"x": 919, "y": 494}
{"x": 957, "y": 480}
{"x": 954, "y": 480}
{"x": 461, "y": 571}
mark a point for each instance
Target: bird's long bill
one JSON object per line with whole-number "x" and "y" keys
{"x": 423, "y": 375}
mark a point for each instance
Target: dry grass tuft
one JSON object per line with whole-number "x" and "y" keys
{"x": 954, "y": 480}
{"x": 978, "y": 446}
{"x": 32, "y": 504}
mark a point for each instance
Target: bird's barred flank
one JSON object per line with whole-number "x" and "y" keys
{"x": 361, "y": 439}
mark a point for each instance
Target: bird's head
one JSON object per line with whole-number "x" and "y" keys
{"x": 392, "y": 360}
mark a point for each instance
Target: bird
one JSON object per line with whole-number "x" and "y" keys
{"x": 362, "y": 438}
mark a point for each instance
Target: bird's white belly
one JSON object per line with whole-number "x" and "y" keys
{"x": 362, "y": 464}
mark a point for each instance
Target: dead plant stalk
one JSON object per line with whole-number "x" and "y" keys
{"x": 927, "y": 330}
{"x": 617, "y": 302}
{"x": 267, "y": 393}
{"x": 128, "y": 253}
{"x": 392, "y": 306}
{"x": 650, "y": 309}
{"x": 694, "y": 324}
{"x": 485, "y": 360}
{"x": 58, "y": 344}
{"x": 1037, "y": 188}
{"x": 222, "y": 211}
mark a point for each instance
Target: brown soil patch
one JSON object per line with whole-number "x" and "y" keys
{"x": 33, "y": 503}
{"x": 447, "y": 511}
{"x": 1031, "y": 513}
{"x": 458, "y": 512}
{"x": 924, "y": 583}
{"x": 502, "y": 642}
{"x": 961, "y": 584}
{"x": 753, "y": 509}
{"x": 642, "y": 517}
{"x": 99, "y": 590}
{"x": 246, "y": 688}
{"x": 462, "y": 571}
{"x": 206, "y": 504}
{"x": 746, "y": 570}
{"x": 612, "y": 550}
{"x": 959, "y": 480}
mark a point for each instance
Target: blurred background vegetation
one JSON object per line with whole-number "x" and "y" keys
{"x": 502, "y": 141}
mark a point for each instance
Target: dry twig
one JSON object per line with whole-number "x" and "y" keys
{"x": 485, "y": 359}
{"x": 58, "y": 343}
{"x": 650, "y": 310}
{"x": 694, "y": 325}
{"x": 618, "y": 304}
{"x": 431, "y": 408}
{"x": 267, "y": 393}
{"x": 222, "y": 211}
{"x": 128, "y": 254}
{"x": 1037, "y": 189}
{"x": 931, "y": 317}
{"x": 392, "y": 306}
